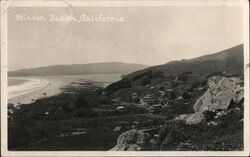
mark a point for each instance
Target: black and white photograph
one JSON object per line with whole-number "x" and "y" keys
{"x": 124, "y": 78}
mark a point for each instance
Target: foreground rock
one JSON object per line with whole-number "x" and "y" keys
{"x": 221, "y": 90}
{"x": 132, "y": 140}
{"x": 191, "y": 119}
{"x": 222, "y": 94}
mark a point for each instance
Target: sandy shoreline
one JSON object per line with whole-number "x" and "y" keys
{"x": 37, "y": 87}
{"x": 33, "y": 89}
{"x": 26, "y": 87}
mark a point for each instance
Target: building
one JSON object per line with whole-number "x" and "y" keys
{"x": 120, "y": 108}
{"x": 117, "y": 128}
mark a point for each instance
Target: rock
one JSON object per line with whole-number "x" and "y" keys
{"x": 212, "y": 123}
{"x": 220, "y": 92}
{"x": 152, "y": 141}
{"x": 132, "y": 140}
{"x": 182, "y": 117}
{"x": 191, "y": 119}
{"x": 132, "y": 137}
{"x": 134, "y": 147}
{"x": 183, "y": 146}
{"x": 239, "y": 95}
{"x": 126, "y": 147}
{"x": 119, "y": 147}
{"x": 195, "y": 118}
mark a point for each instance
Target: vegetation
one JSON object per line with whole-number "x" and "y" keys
{"x": 229, "y": 61}
{"x": 49, "y": 123}
{"x": 39, "y": 125}
{"x": 51, "y": 116}
{"x": 142, "y": 79}
{"x": 227, "y": 136}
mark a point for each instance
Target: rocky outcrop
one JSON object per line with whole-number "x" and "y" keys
{"x": 222, "y": 92}
{"x": 132, "y": 140}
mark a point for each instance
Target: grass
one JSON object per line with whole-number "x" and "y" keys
{"x": 227, "y": 136}
{"x": 29, "y": 128}
{"x": 95, "y": 139}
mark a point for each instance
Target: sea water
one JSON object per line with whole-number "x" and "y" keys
{"x": 15, "y": 81}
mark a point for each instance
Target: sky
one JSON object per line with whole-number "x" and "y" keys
{"x": 146, "y": 35}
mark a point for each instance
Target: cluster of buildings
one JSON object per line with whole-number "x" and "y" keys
{"x": 150, "y": 102}
{"x": 163, "y": 94}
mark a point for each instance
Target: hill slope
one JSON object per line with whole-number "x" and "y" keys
{"x": 229, "y": 61}
{"x": 80, "y": 69}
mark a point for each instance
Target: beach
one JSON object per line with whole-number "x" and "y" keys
{"x": 34, "y": 87}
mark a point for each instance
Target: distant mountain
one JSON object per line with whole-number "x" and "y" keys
{"x": 229, "y": 61}
{"x": 80, "y": 69}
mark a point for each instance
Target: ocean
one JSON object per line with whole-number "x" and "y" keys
{"x": 15, "y": 81}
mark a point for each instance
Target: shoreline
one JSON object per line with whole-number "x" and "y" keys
{"x": 32, "y": 90}
{"x": 30, "y": 85}
{"x": 41, "y": 87}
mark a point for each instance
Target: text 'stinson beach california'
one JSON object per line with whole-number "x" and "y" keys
{"x": 166, "y": 78}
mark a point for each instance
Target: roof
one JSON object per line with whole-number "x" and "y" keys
{"x": 120, "y": 107}
{"x": 117, "y": 128}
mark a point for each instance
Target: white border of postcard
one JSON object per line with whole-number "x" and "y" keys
{"x": 4, "y": 11}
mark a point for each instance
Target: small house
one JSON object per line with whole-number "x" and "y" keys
{"x": 117, "y": 128}
{"x": 120, "y": 108}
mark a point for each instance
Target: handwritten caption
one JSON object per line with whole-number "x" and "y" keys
{"x": 83, "y": 18}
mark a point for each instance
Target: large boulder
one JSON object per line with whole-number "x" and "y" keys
{"x": 132, "y": 140}
{"x": 220, "y": 92}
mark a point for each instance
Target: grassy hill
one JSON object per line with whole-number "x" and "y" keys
{"x": 80, "y": 69}
{"x": 229, "y": 61}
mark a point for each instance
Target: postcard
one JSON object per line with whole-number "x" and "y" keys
{"x": 125, "y": 78}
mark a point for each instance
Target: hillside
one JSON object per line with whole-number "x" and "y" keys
{"x": 201, "y": 101}
{"x": 229, "y": 61}
{"x": 186, "y": 109}
{"x": 80, "y": 69}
